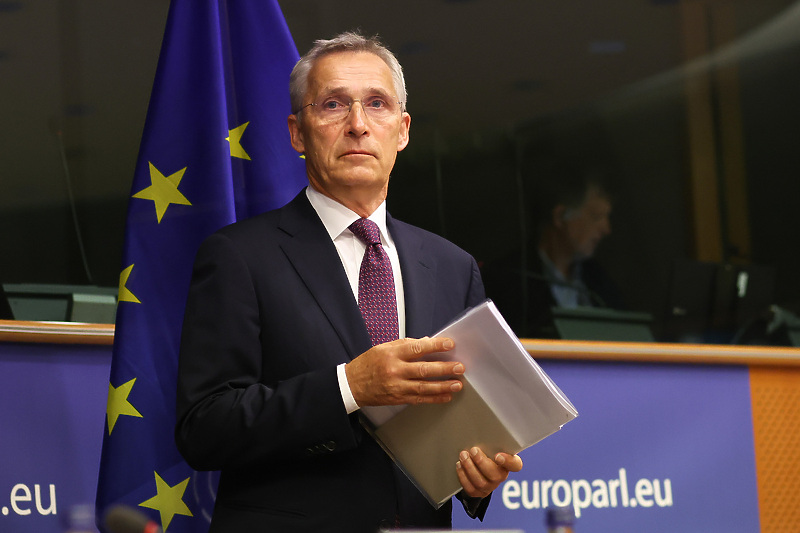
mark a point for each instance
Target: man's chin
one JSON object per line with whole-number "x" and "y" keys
{"x": 363, "y": 175}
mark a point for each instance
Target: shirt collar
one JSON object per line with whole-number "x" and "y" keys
{"x": 550, "y": 270}
{"x": 336, "y": 218}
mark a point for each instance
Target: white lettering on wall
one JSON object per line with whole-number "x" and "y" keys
{"x": 582, "y": 494}
{"x": 16, "y": 498}
{"x": 38, "y": 497}
{"x": 44, "y": 500}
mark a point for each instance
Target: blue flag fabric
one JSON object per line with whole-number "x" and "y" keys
{"x": 215, "y": 149}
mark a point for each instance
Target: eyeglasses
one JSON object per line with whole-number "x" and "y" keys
{"x": 337, "y": 108}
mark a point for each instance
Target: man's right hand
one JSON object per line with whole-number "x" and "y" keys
{"x": 392, "y": 374}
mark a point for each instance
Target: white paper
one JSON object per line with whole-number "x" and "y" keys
{"x": 509, "y": 404}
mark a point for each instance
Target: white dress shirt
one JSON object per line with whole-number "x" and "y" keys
{"x": 337, "y": 218}
{"x": 567, "y": 293}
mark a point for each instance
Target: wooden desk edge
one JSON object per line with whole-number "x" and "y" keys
{"x": 662, "y": 352}
{"x": 56, "y": 332}
{"x": 77, "y": 333}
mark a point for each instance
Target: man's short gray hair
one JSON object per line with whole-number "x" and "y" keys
{"x": 344, "y": 42}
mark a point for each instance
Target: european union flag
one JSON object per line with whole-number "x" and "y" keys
{"x": 215, "y": 149}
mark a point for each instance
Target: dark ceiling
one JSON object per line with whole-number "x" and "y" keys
{"x": 76, "y": 74}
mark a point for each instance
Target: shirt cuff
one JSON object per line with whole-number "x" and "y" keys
{"x": 474, "y": 507}
{"x": 344, "y": 387}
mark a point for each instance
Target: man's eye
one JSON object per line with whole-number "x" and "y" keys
{"x": 332, "y": 105}
{"x": 375, "y": 103}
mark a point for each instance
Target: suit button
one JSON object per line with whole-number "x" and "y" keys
{"x": 330, "y": 446}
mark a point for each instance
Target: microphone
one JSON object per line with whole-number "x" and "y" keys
{"x": 125, "y": 519}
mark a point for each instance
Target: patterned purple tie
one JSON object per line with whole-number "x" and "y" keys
{"x": 376, "y": 296}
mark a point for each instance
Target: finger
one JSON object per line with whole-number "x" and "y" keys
{"x": 434, "y": 391}
{"x": 416, "y": 391}
{"x": 466, "y": 484}
{"x": 431, "y": 370}
{"x": 476, "y": 482}
{"x": 512, "y": 463}
{"x": 408, "y": 388}
{"x": 413, "y": 349}
{"x": 487, "y": 468}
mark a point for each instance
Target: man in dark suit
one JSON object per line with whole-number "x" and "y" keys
{"x": 276, "y": 356}
{"x": 570, "y": 207}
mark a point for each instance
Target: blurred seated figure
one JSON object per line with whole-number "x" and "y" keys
{"x": 570, "y": 209}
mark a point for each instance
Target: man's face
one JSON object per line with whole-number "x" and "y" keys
{"x": 354, "y": 156}
{"x": 586, "y": 226}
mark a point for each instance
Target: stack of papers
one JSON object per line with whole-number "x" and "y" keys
{"x": 507, "y": 404}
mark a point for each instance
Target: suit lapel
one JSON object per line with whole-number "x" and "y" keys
{"x": 314, "y": 257}
{"x": 419, "y": 278}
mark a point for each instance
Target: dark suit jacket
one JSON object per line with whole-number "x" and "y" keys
{"x": 270, "y": 315}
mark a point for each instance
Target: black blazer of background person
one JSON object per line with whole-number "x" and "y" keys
{"x": 272, "y": 325}
{"x": 569, "y": 206}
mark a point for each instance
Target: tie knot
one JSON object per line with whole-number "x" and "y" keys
{"x": 366, "y": 230}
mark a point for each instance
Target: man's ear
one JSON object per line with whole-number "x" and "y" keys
{"x": 559, "y": 216}
{"x": 296, "y": 134}
{"x": 405, "y": 127}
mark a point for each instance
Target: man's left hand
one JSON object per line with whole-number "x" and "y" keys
{"x": 479, "y": 475}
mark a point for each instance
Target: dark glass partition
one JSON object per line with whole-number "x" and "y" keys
{"x": 685, "y": 111}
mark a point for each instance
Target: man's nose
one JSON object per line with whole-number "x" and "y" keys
{"x": 356, "y": 119}
{"x": 606, "y": 227}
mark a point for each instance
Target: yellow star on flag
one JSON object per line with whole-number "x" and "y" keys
{"x": 168, "y": 501}
{"x": 118, "y": 403}
{"x": 126, "y": 295}
{"x": 163, "y": 190}
{"x": 235, "y": 139}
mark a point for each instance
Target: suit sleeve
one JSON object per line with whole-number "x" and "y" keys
{"x": 476, "y": 292}
{"x": 229, "y": 413}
